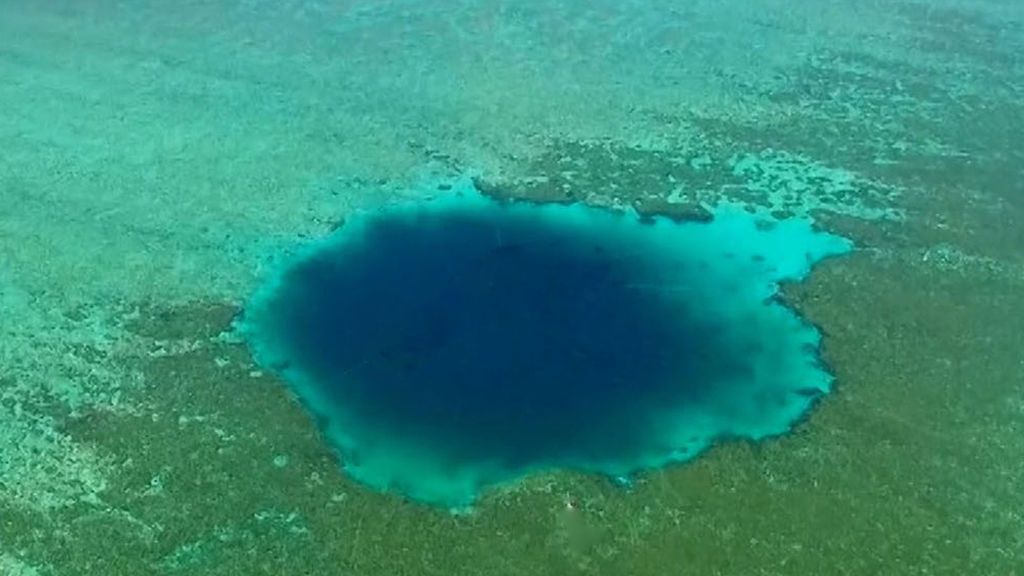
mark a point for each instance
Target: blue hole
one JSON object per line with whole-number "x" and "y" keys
{"x": 454, "y": 344}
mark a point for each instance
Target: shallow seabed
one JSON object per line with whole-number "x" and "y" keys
{"x": 160, "y": 161}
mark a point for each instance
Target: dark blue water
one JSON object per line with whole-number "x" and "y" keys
{"x": 453, "y": 344}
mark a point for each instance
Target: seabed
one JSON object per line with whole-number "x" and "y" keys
{"x": 162, "y": 164}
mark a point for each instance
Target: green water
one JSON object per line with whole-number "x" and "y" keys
{"x": 161, "y": 162}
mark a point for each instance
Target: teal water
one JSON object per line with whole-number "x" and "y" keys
{"x": 160, "y": 161}
{"x": 452, "y": 344}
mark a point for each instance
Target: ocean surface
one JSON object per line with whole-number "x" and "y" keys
{"x": 511, "y": 288}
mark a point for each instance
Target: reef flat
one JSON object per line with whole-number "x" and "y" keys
{"x": 161, "y": 164}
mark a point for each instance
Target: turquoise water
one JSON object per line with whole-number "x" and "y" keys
{"x": 174, "y": 174}
{"x": 455, "y": 343}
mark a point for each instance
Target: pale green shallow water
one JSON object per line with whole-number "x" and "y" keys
{"x": 160, "y": 162}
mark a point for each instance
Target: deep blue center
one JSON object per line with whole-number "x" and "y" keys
{"x": 497, "y": 336}
{"x": 450, "y": 347}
